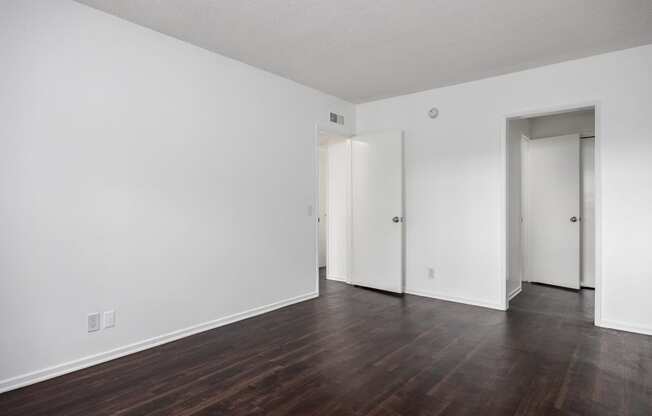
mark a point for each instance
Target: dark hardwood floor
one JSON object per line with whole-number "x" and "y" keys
{"x": 359, "y": 352}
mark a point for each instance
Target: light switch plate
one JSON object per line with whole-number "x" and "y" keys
{"x": 93, "y": 322}
{"x": 109, "y": 319}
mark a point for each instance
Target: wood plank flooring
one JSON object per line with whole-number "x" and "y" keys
{"x": 359, "y": 352}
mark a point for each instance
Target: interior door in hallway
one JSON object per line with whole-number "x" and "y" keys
{"x": 554, "y": 211}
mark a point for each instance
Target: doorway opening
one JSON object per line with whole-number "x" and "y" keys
{"x": 333, "y": 218}
{"x": 360, "y": 225}
{"x": 551, "y": 203}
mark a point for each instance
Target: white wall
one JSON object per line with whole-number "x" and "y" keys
{"x": 142, "y": 174}
{"x": 515, "y": 131}
{"x": 455, "y": 177}
{"x": 339, "y": 180}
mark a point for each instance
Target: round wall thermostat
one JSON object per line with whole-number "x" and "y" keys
{"x": 433, "y": 113}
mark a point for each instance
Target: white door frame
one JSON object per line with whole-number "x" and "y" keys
{"x": 328, "y": 128}
{"x": 504, "y": 236}
{"x": 524, "y": 209}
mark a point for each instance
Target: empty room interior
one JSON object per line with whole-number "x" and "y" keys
{"x": 325, "y": 208}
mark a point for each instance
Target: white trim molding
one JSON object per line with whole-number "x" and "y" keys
{"x": 622, "y": 326}
{"x": 337, "y": 278}
{"x": 515, "y": 292}
{"x": 91, "y": 360}
{"x": 456, "y": 299}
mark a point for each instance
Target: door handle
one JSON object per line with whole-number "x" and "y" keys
{"x": 395, "y": 219}
{"x": 573, "y": 219}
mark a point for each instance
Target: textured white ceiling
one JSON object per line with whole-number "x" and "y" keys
{"x": 362, "y": 50}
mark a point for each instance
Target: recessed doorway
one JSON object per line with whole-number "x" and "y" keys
{"x": 551, "y": 234}
{"x": 361, "y": 203}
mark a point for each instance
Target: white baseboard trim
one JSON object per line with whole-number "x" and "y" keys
{"x": 456, "y": 299}
{"x": 515, "y": 292}
{"x": 91, "y": 360}
{"x": 337, "y": 278}
{"x": 622, "y": 326}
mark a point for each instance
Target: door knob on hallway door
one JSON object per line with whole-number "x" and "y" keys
{"x": 573, "y": 219}
{"x": 395, "y": 219}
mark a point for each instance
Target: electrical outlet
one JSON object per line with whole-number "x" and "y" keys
{"x": 93, "y": 322}
{"x": 109, "y": 319}
{"x": 431, "y": 272}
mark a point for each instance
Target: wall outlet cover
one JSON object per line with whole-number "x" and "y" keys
{"x": 109, "y": 319}
{"x": 93, "y": 322}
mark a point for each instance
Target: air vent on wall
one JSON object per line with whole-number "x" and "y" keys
{"x": 337, "y": 118}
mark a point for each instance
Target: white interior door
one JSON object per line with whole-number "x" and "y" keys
{"x": 554, "y": 211}
{"x": 377, "y": 210}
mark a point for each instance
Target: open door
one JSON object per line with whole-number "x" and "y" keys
{"x": 377, "y": 210}
{"x": 554, "y": 211}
